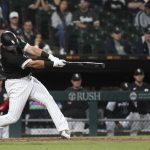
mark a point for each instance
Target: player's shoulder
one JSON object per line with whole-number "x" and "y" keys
{"x": 146, "y": 85}
{"x": 21, "y": 41}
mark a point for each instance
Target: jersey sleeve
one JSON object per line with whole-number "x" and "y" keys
{"x": 22, "y": 44}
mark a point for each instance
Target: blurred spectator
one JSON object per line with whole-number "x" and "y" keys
{"x": 117, "y": 45}
{"x": 142, "y": 46}
{"x": 85, "y": 17}
{"x": 39, "y": 14}
{"x": 75, "y": 109}
{"x": 54, "y": 4}
{"x": 4, "y": 104}
{"x": 3, "y": 22}
{"x": 85, "y": 21}
{"x": 38, "y": 41}
{"x": 47, "y": 5}
{"x": 40, "y": 4}
{"x": 13, "y": 25}
{"x": 4, "y": 4}
{"x": 61, "y": 19}
{"x": 115, "y": 5}
{"x": 28, "y": 33}
{"x": 141, "y": 108}
{"x": 116, "y": 110}
{"x": 135, "y": 5}
{"x": 142, "y": 19}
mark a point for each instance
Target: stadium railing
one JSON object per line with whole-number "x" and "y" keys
{"x": 92, "y": 97}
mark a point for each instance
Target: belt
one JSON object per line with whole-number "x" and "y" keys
{"x": 27, "y": 77}
{"x": 19, "y": 77}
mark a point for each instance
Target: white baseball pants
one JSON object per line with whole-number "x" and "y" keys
{"x": 133, "y": 125}
{"x": 20, "y": 90}
{"x": 4, "y": 132}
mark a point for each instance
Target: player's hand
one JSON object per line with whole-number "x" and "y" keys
{"x": 59, "y": 63}
{"x": 52, "y": 58}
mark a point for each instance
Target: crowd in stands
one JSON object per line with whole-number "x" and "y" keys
{"x": 81, "y": 27}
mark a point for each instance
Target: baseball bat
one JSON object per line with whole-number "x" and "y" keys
{"x": 82, "y": 63}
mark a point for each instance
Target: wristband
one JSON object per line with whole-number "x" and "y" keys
{"x": 48, "y": 64}
{"x": 44, "y": 55}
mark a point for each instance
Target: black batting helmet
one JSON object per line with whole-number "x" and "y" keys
{"x": 9, "y": 40}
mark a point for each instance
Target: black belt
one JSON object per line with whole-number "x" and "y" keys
{"x": 17, "y": 77}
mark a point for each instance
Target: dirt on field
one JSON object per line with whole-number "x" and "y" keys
{"x": 79, "y": 139}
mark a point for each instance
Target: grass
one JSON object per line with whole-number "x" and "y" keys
{"x": 77, "y": 144}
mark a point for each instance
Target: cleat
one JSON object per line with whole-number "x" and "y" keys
{"x": 65, "y": 134}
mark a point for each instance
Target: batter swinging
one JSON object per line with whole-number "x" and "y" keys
{"x": 20, "y": 85}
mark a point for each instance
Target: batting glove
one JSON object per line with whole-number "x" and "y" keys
{"x": 52, "y": 58}
{"x": 59, "y": 63}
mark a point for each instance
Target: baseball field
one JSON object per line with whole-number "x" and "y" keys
{"x": 90, "y": 143}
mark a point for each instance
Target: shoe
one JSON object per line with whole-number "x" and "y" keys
{"x": 65, "y": 134}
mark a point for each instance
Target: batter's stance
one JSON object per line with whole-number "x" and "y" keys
{"x": 17, "y": 60}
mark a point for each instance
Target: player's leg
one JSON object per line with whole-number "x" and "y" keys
{"x": 70, "y": 123}
{"x": 134, "y": 125}
{"x": 5, "y": 133}
{"x": 110, "y": 127}
{"x": 40, "y": 93}
{"x": 79, "y": 126}
{"x": 18, "y": 92}
{"x": 145, "y": 125}
{"x": 126, "y": 124}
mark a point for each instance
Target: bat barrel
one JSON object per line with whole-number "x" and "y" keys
{"x": 96, "y": 64}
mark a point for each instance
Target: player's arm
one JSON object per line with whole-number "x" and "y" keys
{"x": 110, "y": 109}
{"x": 39, "y": 64}
{"x": 36, "y": 64}
{"x": 35, "y": 51}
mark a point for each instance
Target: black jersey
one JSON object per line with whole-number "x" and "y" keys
{"x": 76, "y": 104}
{"x": 13, "y": 60}
{"x": 143, "y": 107}
{"x": 117, "y": 109}
{"x": 75, "y": 109}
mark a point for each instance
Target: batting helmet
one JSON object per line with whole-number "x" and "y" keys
{"x": 9, "y": 40}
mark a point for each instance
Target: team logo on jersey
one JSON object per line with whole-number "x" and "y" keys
{"x": 133, "y": 96}
{"x": 72, "y": 96}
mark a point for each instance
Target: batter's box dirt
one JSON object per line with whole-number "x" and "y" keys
{"x": 80, "y": 139}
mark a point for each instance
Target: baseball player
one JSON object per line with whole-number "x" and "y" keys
{"x": 139, "y": 109}
{"x": 75, "y": 109}
{"x": 18, "y": 58}
{"x": 116, "y": 110}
